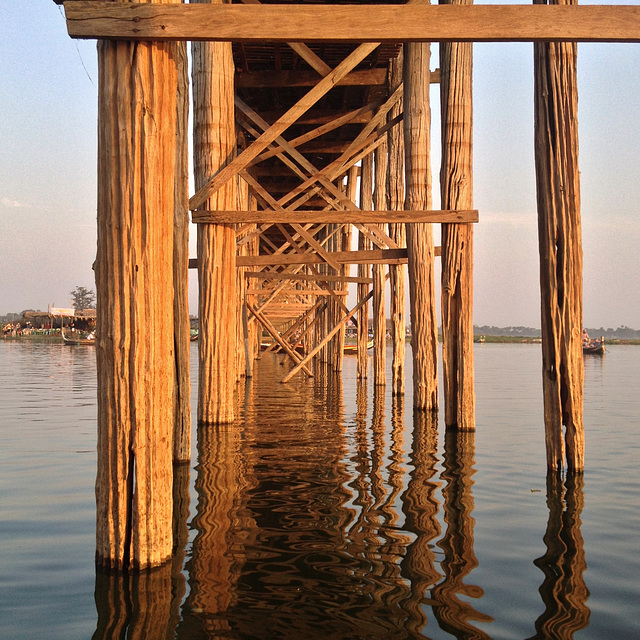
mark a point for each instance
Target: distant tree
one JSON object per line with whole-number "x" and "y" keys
{"x": 83, "y": 298}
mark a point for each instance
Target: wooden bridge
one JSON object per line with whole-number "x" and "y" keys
{"x": 311, "y": 123}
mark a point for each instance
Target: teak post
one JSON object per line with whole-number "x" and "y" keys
{"x": 379, "y": 322}
{"x": 456, "y": 191}
{"x": 214, "y": 144}
{"x": 420, "y": 247}
{"x": 395, "y": 202}
{"x": 364, "y": 270}
{"x": 560, "y": 244}
{"x": 137, "y": 90}
{"x": 182, "y": 389}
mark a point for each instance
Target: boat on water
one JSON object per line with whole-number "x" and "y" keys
{"x": 193, "y": 336}
{"x": 352, "y": 349}
{"x": 72, "y": 337}
{"x": 595, "y": 346}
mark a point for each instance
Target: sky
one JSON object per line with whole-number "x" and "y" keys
{"x": 48, "y": 123}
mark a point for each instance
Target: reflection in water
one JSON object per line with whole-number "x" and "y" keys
{"x": 135, "y": 605}
{"x": 563, "y": 591}
{"x": 216, "y": 555}
{"x": 452, "y": 613}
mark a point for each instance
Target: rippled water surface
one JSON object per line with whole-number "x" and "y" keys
{"x": 330, "y": 510}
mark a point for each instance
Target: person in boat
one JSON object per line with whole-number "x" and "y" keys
{"x": 585, "y": 338}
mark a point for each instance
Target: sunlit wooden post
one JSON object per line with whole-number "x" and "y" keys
{"x": 456, "y": 192}
{"x": 395, "y": 200}
{"x": 379, "y": 322}
{"x": 137, "y": 89}
{"x": 420, "y": 246}
{"x": 214, "y": 144}
{"x": 364, "y": 270}
{"x": 182, "y": 389}
{"x": 560, "y": 243}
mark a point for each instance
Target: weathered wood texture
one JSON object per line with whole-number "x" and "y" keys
{"x": 303, "y": 216}
{"x": 134, "y": 282}
{"x": 214, "y": 143}
{"x": 560, "y": 244}
{"x": 395, "y": 202}
{"x": 387, "y": 23}
{"x": 364, "y": 270}
{"x": 379, "y": 321}
{"x": 420, "y": 247}
{"x": 456, "y": 189}
{"x": 182, "y": 389}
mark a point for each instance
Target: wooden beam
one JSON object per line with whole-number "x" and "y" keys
{"x": 305, "y": 276}
{"x": 334, "y": 217}
{"x": 375, "y": 256}
{"x": 302, "y": 78}
{"x": 352, "y": 23}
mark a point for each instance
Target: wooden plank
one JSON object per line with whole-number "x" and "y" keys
{"x": 306, "y": 276}
{"x": 337, "y": 217}
{"x": 303, "y": 78}
{"x": 375, "y": 256}
{"x": 352, "y": 23}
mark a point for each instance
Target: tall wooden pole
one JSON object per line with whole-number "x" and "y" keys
{"x": 214, "y": 143}
{"x": 395, "y": 200}
{"x": 456, "y": 191}
{"x": 364, "y": 270}
{"x": 560, "y": 244}
{"x": 137, "y": 90}
{"x": 182, "y": 390}
{"x": 379, "y": 321}
{"x": 420, "y": 247}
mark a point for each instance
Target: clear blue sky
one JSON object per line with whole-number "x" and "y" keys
{"x": 48, "y": 182}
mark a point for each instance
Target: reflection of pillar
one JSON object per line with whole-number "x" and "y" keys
{"x": 563, "y": 590}
{"x": 420, "y": 507}
{"x": 134, "y": 604}
{"x": 212, "y": 572}
{"x": 452, "y": 613}
{"x": 181, "y": 503}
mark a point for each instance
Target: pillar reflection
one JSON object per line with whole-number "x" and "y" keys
{"x": 453, "y": 614}
{"x": 420, "y": 507}
{"x": 135, "y": 604}
{"x": 563, "y": 591}
{"x": 213, "y": 567}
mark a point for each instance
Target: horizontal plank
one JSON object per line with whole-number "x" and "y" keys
{"x": 333, "y": 217}
{"x": 305, "y": 276}
{"x": 373, "y": 256}
{"x": 302, "y": 78}
{"x": 295, "y": 292}
{"x": 352, "y": 23}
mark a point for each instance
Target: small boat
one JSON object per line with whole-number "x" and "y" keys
{"x": 352, "y": 349}
{"x": 77, "y": 337}
{"x": 193, "y": 336}
{"x": 479, "y": 340}
{"x": 593, "y": 346}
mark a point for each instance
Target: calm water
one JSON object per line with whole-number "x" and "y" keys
{"x": 329, "y": 511}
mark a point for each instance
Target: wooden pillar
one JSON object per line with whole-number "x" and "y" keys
{"x": 560, "y": 245}
{"x": 395, "y": 200}
{"x": 214, "y": 143}
{"x": 182, "y": 389}
{"x": 364, "y": 270}
{"x": 137, "y": 90}
{"x": 420, "y": 247}
{"x": 456, "y": 192}
{"x": 379, "y": 321}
